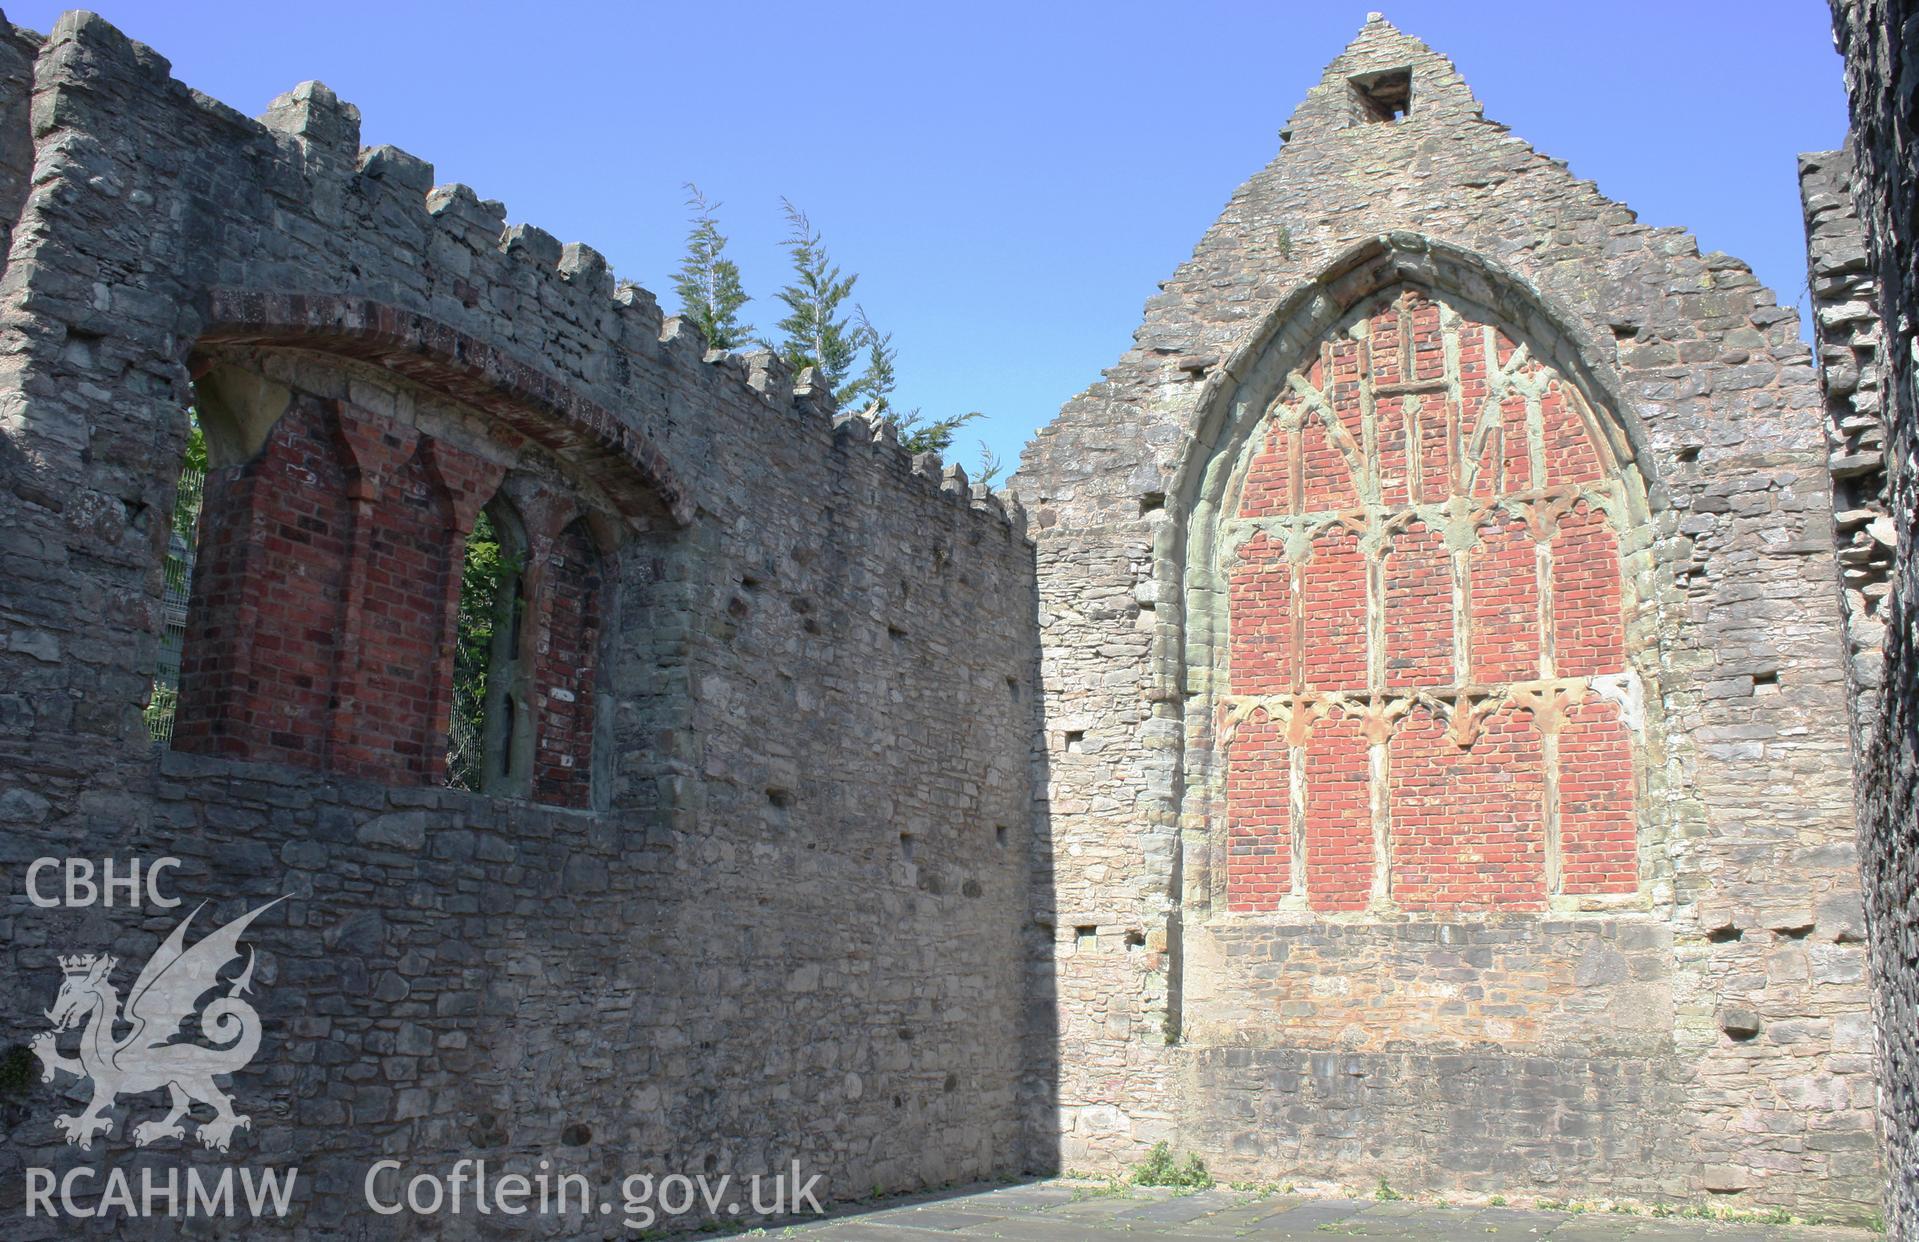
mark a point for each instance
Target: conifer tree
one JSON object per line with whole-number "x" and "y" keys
{"x": 876, "y": 384}
{"x": 708, "y": 282}
{"x": 817, "y": 332}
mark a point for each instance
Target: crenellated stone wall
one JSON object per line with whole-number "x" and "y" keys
{"x": 1406, "y": 748}
{"x": 779, "y": 910}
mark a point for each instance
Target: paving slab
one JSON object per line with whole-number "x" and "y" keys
{"x": 1178, "y": 1210}
{"x": 1062, "y": 1211}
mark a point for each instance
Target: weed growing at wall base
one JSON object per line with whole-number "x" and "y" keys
{"x": 1160, "y": 1168}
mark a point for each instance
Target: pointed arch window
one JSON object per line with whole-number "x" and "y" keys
{"x": 1428, "y": 694}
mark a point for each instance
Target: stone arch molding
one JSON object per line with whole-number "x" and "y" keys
{"x": 351, "y": 447}
{"x": 632, "y": 472}
{"x": 1230, "y": 404}
{"x": 1241, "y": 403}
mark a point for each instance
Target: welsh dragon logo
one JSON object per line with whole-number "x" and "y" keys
{"x": 151, "y": 1052}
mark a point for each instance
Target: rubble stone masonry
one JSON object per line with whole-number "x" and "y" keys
{"x": 764, "y": 893}
{"x": 1864, "y": 269}
{"x": 1410, "y": 744}
{"x": 1440, "y": 644}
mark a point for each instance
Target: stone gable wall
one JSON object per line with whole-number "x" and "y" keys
{"x": 1706, "y": 1033}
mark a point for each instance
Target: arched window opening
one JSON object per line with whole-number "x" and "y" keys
{"x": 267, "y": 590}
{"x": 352, "y": 590}
{"x": 488, "y": 735}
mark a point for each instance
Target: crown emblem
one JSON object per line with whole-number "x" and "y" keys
{"x": 81, "y": 963}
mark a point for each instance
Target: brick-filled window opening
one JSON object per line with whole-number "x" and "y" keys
{"x": 489, "y": 734}
{"x": 365, "y": 600}
{"x": 1428, "y": 703}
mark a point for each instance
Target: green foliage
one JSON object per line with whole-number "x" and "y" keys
{"x": 193, "y": 473}
{"x": 490, "y": 566}
{"x": 1160, "y": 1168}
{"x": 818, "y": 332}
{"x": 177, "y": 573}
{"x": 163, "y": 705}
{"x": 918, "y": 433}
{"x": 708, "y": 282}
{"x": 1385, "y": 1193}
{"x": 934, "y": 435}
{"x": 196, "y": 454}
{"x": 877, "y": 381}
{"x": 988, "y": 469}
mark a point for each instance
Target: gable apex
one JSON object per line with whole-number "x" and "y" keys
{"x": 1383, "y": 76}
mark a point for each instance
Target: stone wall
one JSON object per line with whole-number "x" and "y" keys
{"x": 1880, "y": 42}
{"x": 1329, "y": 985}
{"x": 1433, "y": 647}
{"x": 1845, "y": 317}
{"x": 780, "y": 907}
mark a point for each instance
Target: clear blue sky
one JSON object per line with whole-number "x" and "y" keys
{"x": 1009, "y": 179}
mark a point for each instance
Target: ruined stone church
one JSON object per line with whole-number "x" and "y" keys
{"x": 1414, "y": 719}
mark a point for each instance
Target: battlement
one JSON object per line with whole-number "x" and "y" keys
{"x": 761, "y": 688}
{"x": 1423, "y": 665}
{"x": 442, "y": 251}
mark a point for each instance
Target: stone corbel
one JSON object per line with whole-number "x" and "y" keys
{"x": 1465, "y": 715}
{"x": 1626, "y": 690}
{"x": 378, "y": 446}
{"x": 1548, "y": 703}
{"x": 1307, "y": 711}
{"x": 1379, "y": 718}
